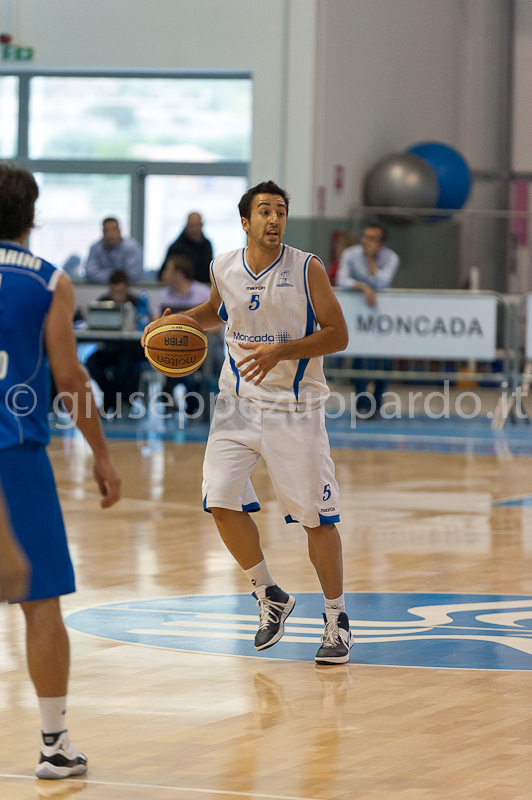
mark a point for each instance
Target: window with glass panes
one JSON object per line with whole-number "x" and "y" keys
{"x": 146, "y": 148}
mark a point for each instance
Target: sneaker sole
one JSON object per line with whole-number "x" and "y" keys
{"x": 338, "y": 660}
{"x": 280, "y": 632}
{"x": 48, "y": 772}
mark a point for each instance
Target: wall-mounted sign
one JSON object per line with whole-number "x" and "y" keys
{"x": 459, "y": 326}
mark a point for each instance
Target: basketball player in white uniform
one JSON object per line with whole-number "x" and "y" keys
{"x": 282, "y": 317}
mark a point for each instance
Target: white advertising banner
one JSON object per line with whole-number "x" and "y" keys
{"x": 421, "y": 326}
{"x": 528, "y": 341}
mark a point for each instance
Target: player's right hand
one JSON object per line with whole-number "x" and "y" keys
{"x": 108, "y": 481}
{"x": 153, "y": 325}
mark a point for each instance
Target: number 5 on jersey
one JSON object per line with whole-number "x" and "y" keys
{"x": 255, "y": 302}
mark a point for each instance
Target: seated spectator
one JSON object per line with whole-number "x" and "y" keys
{"x": 115, "y": 366}
{"x": 367, "y": 267}
{"x": 114, "y": 252}
{"x": 181, "y": 293}
{"x": 182, "y": 290}
{"x": 192, "y": 243}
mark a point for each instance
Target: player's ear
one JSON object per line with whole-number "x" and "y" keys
{"x": 245, "y": 224}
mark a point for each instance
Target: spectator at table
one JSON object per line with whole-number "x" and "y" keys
{"x": 192, "y": 243}
{"x": 115, "y": 366}
{"x": 182, "y": 292}
{"x": 114, "y": 252}
{"x": 367, "y": 267}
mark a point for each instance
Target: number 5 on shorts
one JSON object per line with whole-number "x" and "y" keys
{"x": 326, "y": 492}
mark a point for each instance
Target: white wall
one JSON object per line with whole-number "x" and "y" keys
{"x": 336, "y": 81}
{"x": 187, "y": 34}
{"x": 390, "y": 72}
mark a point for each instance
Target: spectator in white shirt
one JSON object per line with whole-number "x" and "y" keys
{"x": 367, "y": 267}
{"x": 114, "y": 252}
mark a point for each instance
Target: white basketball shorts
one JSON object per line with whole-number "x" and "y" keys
{"x": 295, "y": 447}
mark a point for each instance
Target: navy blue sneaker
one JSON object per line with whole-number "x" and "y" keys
{"x": 336, "y": 641}
{"x": 274, "y": 609}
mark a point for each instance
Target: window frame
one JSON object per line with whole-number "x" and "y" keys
{"x": 137, "y": 170}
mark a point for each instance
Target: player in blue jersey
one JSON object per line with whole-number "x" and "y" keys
{"x": 282, "y": 317}
{"x": 36, "y": 311}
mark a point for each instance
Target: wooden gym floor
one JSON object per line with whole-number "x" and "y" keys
{"x": 163, "y": 723}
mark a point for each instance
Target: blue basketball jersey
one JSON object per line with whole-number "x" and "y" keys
{"x": 26, "y": 291}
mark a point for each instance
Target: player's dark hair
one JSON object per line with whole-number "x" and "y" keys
{"x": 119, "y": 276}
{"x": 110, "y": 219}
{"x": 18, "y": 193}
{"x": 266, "y": 187}
{"x": 376, "y": 225}
{"x": 182, "y": 264}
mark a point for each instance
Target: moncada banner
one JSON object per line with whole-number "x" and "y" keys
{"x": 405, "y": 325}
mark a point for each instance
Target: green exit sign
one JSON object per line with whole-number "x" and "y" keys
{"x": 11, "y": 52}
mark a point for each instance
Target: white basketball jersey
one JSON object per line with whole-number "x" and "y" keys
{"x": 269, "y": 308}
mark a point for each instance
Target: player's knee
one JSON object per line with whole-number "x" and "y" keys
{"x": 321, "y": 530}
{"x": 224, "y": 515}
{"x": 35, "y": 610}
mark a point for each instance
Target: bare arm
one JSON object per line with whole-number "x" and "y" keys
{"x": 206, "y": 315}
{"x": 331, "y": 338}
{"x": 71, "y": 378}
{"x": 14, "y": 566}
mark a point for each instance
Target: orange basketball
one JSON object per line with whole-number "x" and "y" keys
{"x": 176, "y": 349}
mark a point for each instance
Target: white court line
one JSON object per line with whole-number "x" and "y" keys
{"x": 176, "y": 789}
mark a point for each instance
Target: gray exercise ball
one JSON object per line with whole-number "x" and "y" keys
{"x": 402, "y": 180}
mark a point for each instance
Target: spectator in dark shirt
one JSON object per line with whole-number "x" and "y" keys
{"x": 192, "y": 243}
{"x": 115, "y": 366}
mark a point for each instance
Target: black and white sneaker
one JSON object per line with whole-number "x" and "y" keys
{"x": 59, "y": 758}
{"x": 336, "y": 641}
{"x": 274, "y": 609}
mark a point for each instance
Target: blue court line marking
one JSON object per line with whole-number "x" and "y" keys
{"x": 525, "y": 500}
{"x": 452, "y": 435}
{"x": 81, "y": 782}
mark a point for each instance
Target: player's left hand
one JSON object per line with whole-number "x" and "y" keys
{"x": 260, "y": 361}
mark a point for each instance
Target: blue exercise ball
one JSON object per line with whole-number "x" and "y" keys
{"x": 451, "y": 170}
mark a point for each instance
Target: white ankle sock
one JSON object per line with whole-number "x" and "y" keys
{"x": 334, "y": 607}
{"x": 53, "y": 714}
{"x": 260, "y": 577}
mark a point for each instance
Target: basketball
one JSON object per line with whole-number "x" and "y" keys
{"x": 176, "y": 349}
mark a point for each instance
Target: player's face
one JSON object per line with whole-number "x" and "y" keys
{"x": 267, "y": 222}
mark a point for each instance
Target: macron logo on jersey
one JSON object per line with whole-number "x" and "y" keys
{"x": 254, "y": 288}
{"x": 18, "y": 258}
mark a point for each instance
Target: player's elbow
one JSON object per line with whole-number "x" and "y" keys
{"x": 342, "y": 339}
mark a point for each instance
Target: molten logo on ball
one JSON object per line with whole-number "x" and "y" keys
{"x": 176, "y": 349}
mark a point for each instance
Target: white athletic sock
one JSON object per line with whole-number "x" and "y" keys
{"x": 53, "y": 714}
{"x": 334, "y": 607}
{"x": 260, "y": 577}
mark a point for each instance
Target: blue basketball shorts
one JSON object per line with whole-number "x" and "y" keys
{"x": 31, "y": 498}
